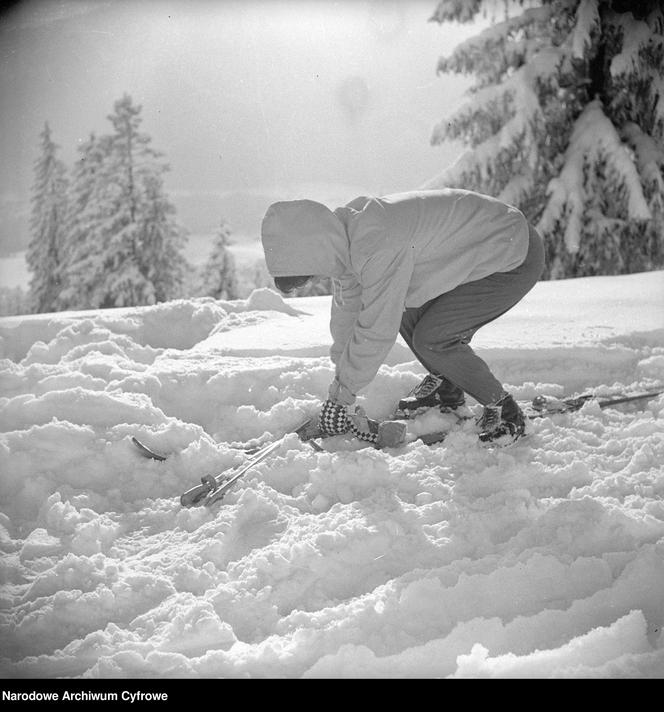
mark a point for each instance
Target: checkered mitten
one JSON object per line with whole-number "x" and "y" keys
{"x": 333, "y": 419}
{"x": 363, "y": 428}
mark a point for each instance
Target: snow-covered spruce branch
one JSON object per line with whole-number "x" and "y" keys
{"x": 594, "y": 137}
{"x": 518, "y": 98}
{"x": 649, "y": 157}
{"x": 498, "y": 48}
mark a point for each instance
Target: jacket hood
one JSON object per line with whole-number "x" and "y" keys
{"x": 303, "y": 237}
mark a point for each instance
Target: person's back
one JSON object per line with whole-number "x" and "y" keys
{"x": 457, "y": 236}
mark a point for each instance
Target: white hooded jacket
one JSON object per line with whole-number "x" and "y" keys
{"x": 388, "y": 254}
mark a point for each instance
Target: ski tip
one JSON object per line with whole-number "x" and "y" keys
{"x": 146, "y": 451}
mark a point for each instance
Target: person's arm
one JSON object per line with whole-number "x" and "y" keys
{"x": 385, "y": 278}
{"x": 346, "y": 304}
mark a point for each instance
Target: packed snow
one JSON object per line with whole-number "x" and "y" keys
{"x": 544, "y": 559}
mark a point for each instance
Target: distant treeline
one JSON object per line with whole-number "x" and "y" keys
{"x": 104, "y": 233}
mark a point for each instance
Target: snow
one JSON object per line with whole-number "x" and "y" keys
{"x": 545, "y": 559}
{"x": 639, "y": 37}
{"x": 649, "y": 155}
{"x": 587, "y": 18}
{"x": 636, "y": 35}
{"x": 593, "y": 136}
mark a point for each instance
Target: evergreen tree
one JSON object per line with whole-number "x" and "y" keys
{"x": 49, "y": 205}
{"x": 82, "y": 254}
{"x": 219, "y": 274}
{"x": 125, "y": 242}
{"x": 566, "y": 121}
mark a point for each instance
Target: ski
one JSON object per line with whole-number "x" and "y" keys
{"x": 544, "y": 406}
{"x": 150, "y": 454}
{"x": 146, "y": 451}
{"x": 213, "y": 488}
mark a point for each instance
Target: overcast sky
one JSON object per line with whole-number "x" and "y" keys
{"x": 314, "y": 98}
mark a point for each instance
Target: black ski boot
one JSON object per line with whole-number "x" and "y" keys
{"x": 503, "y": 421}
{"x": 433, "y": 392}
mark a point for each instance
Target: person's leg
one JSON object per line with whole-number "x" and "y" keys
{"x": 441, "y": 335}
{"x": 409, "y": 320}
{"x": 435, "y": 389}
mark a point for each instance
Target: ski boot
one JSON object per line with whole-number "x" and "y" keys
{"x": 502, "y": 422}
{"x": 434, "y": 391}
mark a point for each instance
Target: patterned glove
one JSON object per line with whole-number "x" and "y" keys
{"x": 362, "y": 427}
{"x": 333, "y": 419}
{"x": 381, "y": 434}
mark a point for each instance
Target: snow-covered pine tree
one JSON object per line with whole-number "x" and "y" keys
{"x": 84, "y": 246}
{"x": 219, "y": 277}
{"x": 143, "y": 263}
{"x": 566, "y": 121}
{"x": 126, "y": 244}
{"x": 49, "y": 205}
{"x": 161, "y": 240}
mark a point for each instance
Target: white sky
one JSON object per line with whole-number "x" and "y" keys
{"x": 254, "y": 96}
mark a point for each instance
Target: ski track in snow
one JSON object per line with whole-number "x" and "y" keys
{"x": 545, "y": 559}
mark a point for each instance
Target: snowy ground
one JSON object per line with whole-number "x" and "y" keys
{"x": 544, "y": 559}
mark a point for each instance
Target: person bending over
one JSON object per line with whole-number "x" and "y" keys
{"x": 434, "y": 266}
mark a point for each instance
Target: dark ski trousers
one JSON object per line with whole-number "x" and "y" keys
{"x": 439, "y": 332}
